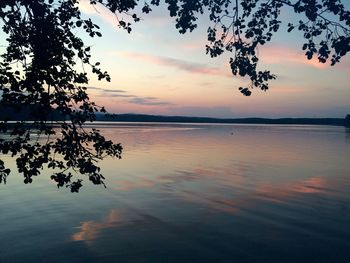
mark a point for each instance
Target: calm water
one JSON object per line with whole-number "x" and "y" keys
{"x": 193, "y": 193}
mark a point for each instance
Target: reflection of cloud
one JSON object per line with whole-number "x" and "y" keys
{"x": 184, "y": 65}
{"x": 89, "y": 230}
{"x": 139, "y": 183}
{"x": 309, "y": 186}
{"x": 181, "y": 176}
{"x": 278, "y": 193}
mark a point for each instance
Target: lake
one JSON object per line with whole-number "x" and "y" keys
{"x": 192, "y": 193}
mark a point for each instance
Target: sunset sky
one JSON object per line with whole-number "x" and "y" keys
{"x": 155, "y": 70}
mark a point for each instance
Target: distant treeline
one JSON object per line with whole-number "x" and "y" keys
{"x": 183, "y": 119}
{"x": 14, "y": 113}
{"x": 26, "y": 113}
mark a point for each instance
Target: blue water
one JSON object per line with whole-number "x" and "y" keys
{"x": 192, "y": 193}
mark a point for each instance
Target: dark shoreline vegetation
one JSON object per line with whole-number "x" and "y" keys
{"x": 255, "y": 120}
{"x": 24, "y": 113}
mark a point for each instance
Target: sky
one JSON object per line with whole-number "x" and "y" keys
{"x": 156, "y": 70}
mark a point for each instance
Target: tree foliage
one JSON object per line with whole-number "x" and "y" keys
{"x": 347, "y": 121}
{"x": 42, "y": 68}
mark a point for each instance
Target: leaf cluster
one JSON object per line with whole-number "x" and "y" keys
{"x": 38, "y": 72}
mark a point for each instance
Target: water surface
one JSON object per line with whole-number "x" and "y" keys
{"x": 192, "y": 193}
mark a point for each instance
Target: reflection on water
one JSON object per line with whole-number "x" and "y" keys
{"x": 347, "y": 131}
{"x": 193, "y": 193}
{"x": 90, "y": 230}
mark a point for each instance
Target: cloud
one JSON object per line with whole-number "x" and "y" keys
{"x": 150, "y": 101}
{"x": 107, "y": 90}
{"x": 180, "y": 64}
{"x": 289, "y": 89}
{"x": 111, "y": 93}
{"x": 215, "y": 112}
{"x": 285, "y": 55}
{"x": 157, "y": 19}
{"x": 98, "y": 10}
{"x": 121, "y": 96}
{"x": 133, "y": 99}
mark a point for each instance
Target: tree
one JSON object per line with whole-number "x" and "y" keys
{"x": 347, "y": 121}
{"x": 38, "y": 70}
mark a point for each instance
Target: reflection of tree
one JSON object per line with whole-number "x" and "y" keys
{"x": 39, "y": 68}
{"x": 347, "y": 133}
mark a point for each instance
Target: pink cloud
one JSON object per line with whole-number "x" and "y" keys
{"x": 286, "y": 55}
{"x": 98, "y": 10}
{"x": 288, "y": 89}
{"x": 184, "y": 65}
